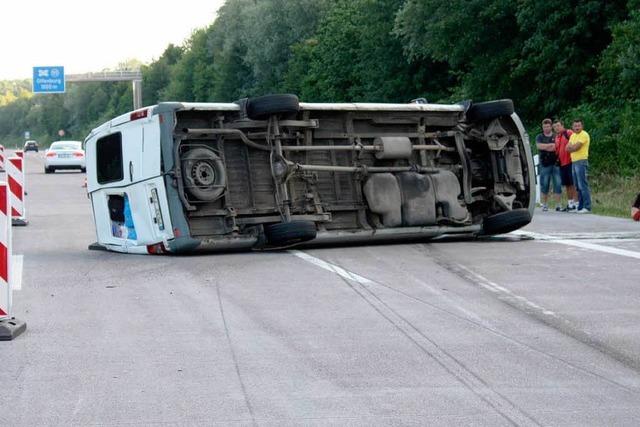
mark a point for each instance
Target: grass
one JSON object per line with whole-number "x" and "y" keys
{"x": 613, "y": 195}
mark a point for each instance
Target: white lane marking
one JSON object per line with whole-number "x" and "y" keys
{"x": 16, "y": 272}
{"x": 333, "y": 268}
{"x": 364, "y": 281}
{"x": 497, "y": 289}
{"x": 475, "y": 277}
{"x": 579, "y": 244}
{"x": 614, "y": 240}
{"x": 599, "y": 235}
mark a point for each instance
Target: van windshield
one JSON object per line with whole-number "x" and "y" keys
{"x": 65, "y": 146}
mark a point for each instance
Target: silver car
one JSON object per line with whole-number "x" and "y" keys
{"x": 64, "y": 155}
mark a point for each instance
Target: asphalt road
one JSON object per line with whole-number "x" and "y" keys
{"x": 534, "y": 329}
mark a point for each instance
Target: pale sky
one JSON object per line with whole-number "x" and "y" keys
{"x": 91, "y": 35}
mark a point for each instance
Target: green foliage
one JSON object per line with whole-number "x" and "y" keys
{"x": 478, "y": 40}
{"x": 157, "y": 75}
{"x": 613, "y": 194}
{"x": 355, "y": 57}
{"x": 12, "y": 90}
{"x": 268, "y": 30}
{"x": 191, "y": 76}
{"x": 619, "y": 72}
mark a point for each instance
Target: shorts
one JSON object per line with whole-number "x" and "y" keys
{"x": 547, "y": 175}
{"x": 566, "y": 175}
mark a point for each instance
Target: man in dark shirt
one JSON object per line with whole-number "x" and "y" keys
{"x": 548, "y": 170}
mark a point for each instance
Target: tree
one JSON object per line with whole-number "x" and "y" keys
{"x": 563, "y": 43}
{"x": 157, "y": 75}
{"x": 355, "y": 57}
{"x": 477, "y": 39}
{"x": 192, "y": 74}
{"x": 268, "y": 30}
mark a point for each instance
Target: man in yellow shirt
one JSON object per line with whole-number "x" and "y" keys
{"x": 578, "y": 146}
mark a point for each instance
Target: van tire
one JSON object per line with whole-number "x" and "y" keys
{"x": 490, "y": 110}
{"x": 505, "y": 222}
{"x": 203, "y": 174}
{"x": 289, "y": 233}
{"x": 48, "y": 170}
{"x": 262, "y": 107}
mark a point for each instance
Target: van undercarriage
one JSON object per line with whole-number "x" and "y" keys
{"x": 276, "y": 172}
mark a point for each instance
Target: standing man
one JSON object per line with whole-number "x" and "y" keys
{"x": 548, "y": 170}
{"x": 566, "y": 172}
{"x": 578, "y": 146}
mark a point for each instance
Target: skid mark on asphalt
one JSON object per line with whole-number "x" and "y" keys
{"x": 552, "y": 320}
{"x": 463, "y": 374}
{"x": 234, "y": 356}
{"x": 497, "y": 289}
{"x": 581, "y": 336}
{"x": 579, "y": 244}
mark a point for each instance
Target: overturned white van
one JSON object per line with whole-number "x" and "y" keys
{"x": 272, "y": 172}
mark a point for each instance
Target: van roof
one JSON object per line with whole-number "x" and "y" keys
{"x": 342, "y": 106}
{"x": 304, "y": 106}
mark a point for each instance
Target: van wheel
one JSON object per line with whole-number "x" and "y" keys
{"x": 490, "y": 110}
{"x": 48, "y": 170}
{"x": 505, "y": 222}
{"x": 203, "y": 174}
{"x": 264, "y": 106}
{"x": 83, "y": 170}
{"x": 289, "y": 233}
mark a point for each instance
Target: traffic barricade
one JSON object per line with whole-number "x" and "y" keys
{"x": 10, "y": 327}
{"x": 15, "y": 177}
{"x": 2, "y": 157}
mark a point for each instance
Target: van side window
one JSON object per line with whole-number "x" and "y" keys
{"x": 109, "y": 158}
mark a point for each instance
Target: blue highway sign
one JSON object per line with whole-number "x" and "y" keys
{"x": 48, "y": 79}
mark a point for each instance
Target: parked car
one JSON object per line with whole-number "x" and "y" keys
{"x": 64, "y": 155}
{"x": 274, "y": 172}
{"x": 30, "y": 146}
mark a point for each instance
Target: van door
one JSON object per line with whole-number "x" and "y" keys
{"x": 133, "y": 144}
{"x": 128, "y": 179}
{"x": 135, "y": 215}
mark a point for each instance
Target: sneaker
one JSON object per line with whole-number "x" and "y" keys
{"x": 584, "y": 211}
{"x": 545, "y": 208}
{"x": 571, "y": 208}
{"x": 558, "y": 208}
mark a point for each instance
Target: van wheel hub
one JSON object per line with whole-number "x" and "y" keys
{"x": 203, "y": 174}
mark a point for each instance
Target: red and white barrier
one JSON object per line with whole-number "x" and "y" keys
{"x": 2, "y": 157}
{"x": 20, "y": 153}
{"x": 10, "y": 327}
{"x": 5, "y": 252}
{"x": 15, "y": 177}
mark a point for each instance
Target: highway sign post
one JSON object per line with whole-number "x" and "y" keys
{"x": 48, "y": 79}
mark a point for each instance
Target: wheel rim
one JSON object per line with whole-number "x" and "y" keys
{"x": 203, "y": 174}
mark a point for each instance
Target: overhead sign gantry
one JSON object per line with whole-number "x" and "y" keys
{"x": 53, "y": 80}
